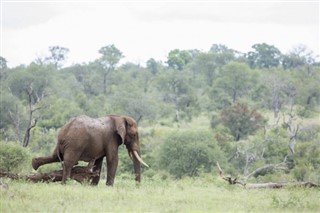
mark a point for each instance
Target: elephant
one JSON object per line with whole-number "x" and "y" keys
{"x": 91, "y": 139}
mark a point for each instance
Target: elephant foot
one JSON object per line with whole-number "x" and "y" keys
{"x": 35, "y": 164}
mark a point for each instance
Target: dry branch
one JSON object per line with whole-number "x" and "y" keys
{"x": 79, "y": 173}
{"x": 229, "y": 179}
{"x": 265, "y": 185}
{"x": 281, "y": 165}
{"x": 281, "y": 185}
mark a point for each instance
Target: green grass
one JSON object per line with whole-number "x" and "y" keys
{"x": 188, "y": 195}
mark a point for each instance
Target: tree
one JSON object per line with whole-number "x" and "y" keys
{"x": 223, "y": 54}
{"x": 177, "y": 59}
{"x": 109, "y": 60}
{"x": 177, "y": 90}
{"x": 58, "y": 56}
{"x": 205, "y": 64}
{"x": 236, "y": 80}
{"x": 3, "y": 68}
{"x": 264, "y": 56}
{"x": 89, "y": 77}
{"x": 31, "y": 85}
{"x": 241, "y": 120}
{"x": 153, "y": 66}
{"x": 276, "y": 82}
{"x": 3, "y": 63}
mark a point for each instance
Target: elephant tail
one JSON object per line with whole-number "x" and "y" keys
{"x": 60, "y": 159}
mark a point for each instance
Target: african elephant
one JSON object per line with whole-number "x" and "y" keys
{"x": 90, "y": 140}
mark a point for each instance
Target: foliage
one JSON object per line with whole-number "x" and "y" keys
{"x": 189, "y": 152}
{"x": 236, "y": 80}
{"x": 241, "y": 120}
{"x": 243, "y": 96}
{"x": 264, "y": 56}
{"x": 57, "y": 56}
{"x": 13, "y": 157}
{"x": 186, "y": 195}
{"x": 110, "y": 56}
{"x": 3, "y": 63}
{"x": 177, "y": 59}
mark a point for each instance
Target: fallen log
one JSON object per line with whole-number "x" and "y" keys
{"x": 280, "y": 185}
{"x": 234, "y": 181}
{"x": 79, "y": 173}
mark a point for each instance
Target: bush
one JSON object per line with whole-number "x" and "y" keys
{"x": 241, "y": 120}
{"x": 188, "y": 153}
{"x": 13, "y": 157}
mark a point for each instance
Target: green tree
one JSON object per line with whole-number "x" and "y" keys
{"x": 176, "y": 90}
{"x": 297, "y": 57}
{"x": 236, "y": 80}
{"x": 3, "y": 63}
{"x": 89, "y": 78}
{"x": 264, "y": 56}
{"x": 205, "y": 66}
{"x": 223, "y": 54}
{"x": 58, "y": 56}
{"x": 32, "y": 86}
{"x": 110, "y": 57}
{"x": 278, "y": 90}
{"x": 153, "y": 66}
{"x": 304, "y": 83}
{"x": 3, "y": 69}
{"x": 177, "y": 59}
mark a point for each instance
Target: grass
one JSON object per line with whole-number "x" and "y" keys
{"x": 187, "y": 195}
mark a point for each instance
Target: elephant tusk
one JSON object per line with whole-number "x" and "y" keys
{"x": 139, "y": 159}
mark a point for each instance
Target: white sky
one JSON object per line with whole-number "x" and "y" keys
{"x": 150, "y": 29}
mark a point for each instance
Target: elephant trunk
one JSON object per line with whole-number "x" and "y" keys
{"x": 137, "y": 161}
{"x": 137, "y": 169}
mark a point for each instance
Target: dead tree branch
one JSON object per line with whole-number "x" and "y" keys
{"x": 265, "y": 185}
{"x": 281, "y": 185}
{"x": 281, "y": 165}
{"x": 229, "y": 179}
{"x": 81, "y": 174}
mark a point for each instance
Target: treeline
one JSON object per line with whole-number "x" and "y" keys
{"x": 261, "y": 107}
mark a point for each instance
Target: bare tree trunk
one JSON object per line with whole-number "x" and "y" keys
{"x": 293, "y": 130}
{"x": 31, "y": 122}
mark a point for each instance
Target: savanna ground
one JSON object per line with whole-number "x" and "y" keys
{"x": 204, "y": 194}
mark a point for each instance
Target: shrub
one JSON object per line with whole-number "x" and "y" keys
{"x": 187, "y": 153}
{"x": 13, "y": 157}
{"x": 241, "y": 120}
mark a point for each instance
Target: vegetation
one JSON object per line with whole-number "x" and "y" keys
{"x": 246, "y": 110}
{"x": 207, "y": 194}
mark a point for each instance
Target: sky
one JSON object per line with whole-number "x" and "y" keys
{"x": 151, "y": 29}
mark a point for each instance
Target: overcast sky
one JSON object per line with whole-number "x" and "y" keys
{"x": 150, "y": 29}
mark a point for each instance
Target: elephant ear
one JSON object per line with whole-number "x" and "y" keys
{"x": 120, "y": 124}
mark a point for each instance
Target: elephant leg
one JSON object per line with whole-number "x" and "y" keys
{"x": 37, "y": 162}
{"x": 97, "y": 168}
{"x": 70, "y": 159}
{"x": 112, "y": 164}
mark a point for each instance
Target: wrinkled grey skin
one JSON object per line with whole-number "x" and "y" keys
{"x": 88, "y": 139}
